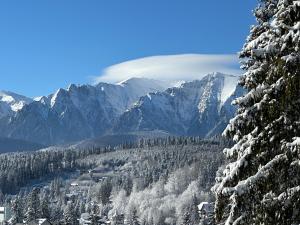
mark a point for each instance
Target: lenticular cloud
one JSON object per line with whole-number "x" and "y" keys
{"x": 171, "y": 67}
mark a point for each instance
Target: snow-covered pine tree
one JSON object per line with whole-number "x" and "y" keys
{"x": 117, "y": 219}
{"x": 1, "y": 197}
{"x": 33, "y": 205}
{"x": 104, "y": 192}
{"x": 95, "y": 213}
{"x": 81, "y": 207}
{"x": 133, "y": 217}
{"x": 70, "y": 215}
{"x": 56, "y": 212}
{"x": 260, "y": 185}
{"x": 194, "y": 211}
{"x": 45, "y": 203}
{"x": 186, "y": 220}
{"x": 17, "y": 208}
{"x": 30, "y": 214}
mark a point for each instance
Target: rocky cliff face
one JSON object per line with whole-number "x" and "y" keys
{"x": 195, "y": 108}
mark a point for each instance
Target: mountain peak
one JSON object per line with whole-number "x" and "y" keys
{"x": 228, "y": 84}
{"x": 13, "y": 96}
{"x": 58, "y": 94}
{"x": 72, "y": 87}
{"x": 12, "y": 102}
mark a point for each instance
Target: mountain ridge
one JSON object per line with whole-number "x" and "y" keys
{"x": 182, "y": 110}
{"x": 136, "y": 105}
{"x": 75, "y": 113}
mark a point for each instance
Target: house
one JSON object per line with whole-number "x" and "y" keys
{"x": 206, "y": 209}
{"x": 5, "y": 214}
{"x": 39, "y": 222}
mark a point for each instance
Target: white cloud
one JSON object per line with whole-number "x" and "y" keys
{"x": 171, "y": 67}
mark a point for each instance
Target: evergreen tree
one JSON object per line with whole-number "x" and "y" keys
{"x": 30, "y": 214}
{"x": 133, "y": 218}
{"x": 194, "y": 212}
{"x": 33, "y": 205}
{"x": 95, "y": 213}
{"x": 2, "y": 197}
{"x": 143, "y": 221}
{"x": 117, "y": 219}
{"x": 70, "y": 215}
{"x": 260, "y": 185}
{"x": 151, "y": 222}
{"x": 104, "y": 192}
{"x": 77, "y": 209}
{"x": 56, "y": 213}
{"x": 186, "y": 220}
{"x": 17, "y": 209}
{"x": 45, "y": 212}
{"x": 82, "y": 208}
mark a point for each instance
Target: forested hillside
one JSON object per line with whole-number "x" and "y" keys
{"x": 158, "y": 181}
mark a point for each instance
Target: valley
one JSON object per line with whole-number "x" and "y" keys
{"x": 108, "y": 182}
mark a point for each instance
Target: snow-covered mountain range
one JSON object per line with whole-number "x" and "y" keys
{"x": 201, "y": 107}
{"x": 132, "y": 106}
{"x": 75, "y": 113}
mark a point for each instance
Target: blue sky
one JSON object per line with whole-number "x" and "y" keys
{"x": 45, "y": 45}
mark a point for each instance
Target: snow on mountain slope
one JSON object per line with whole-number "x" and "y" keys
{"x": 229, "y": 85}
{"x": 76, "y": 113}
{"x": 138, "y": 105}
{"x": 11, "y": 102}
{"x": 194, "y": 108}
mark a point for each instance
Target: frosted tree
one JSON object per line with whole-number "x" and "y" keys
{"x": 56, "y": 212}
{"x": 133, "y": 217}
{"x": 186, "y": 220}
{"x": 104, "y": 192}
{"x": 2, "y": 197}
{"x": 17, "y": 210}
{"x": 70, "y": 215}
{"x": 260, "y": 185}
{"x": 45, "y": 211}
{"x": 33, "y": 205}
{"x": 194, "y": 211}
{"x": 94, "y": 213}
{"x": 117, "y": 219}
{"x": 81, "y": 207}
